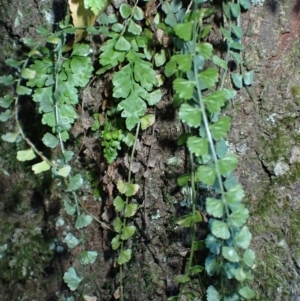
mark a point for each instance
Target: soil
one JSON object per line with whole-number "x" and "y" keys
{"x": 265, "y": 134}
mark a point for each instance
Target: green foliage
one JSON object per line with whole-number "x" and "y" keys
{"x": 53, "y": 79}
{"x": 95, "y": 5}
{"x": 200, "y": 106}
{"x": 71, "y": 278}
{"x": 124, "y": 232}
{"x": 23, "y": 255}
{"x": 111, "y": 141}
{"x": 134, "y": 85}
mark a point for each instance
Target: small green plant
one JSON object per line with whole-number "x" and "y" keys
{"x": 199, "y": 108}
{"x": 134, "y": 84}
{"x": 24, "y": 255}
{"x": 111, "y": 141}
{"x": 121, "y": 227}
{"x": 52, "y": 80}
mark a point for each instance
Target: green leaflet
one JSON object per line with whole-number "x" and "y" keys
{"x": 71, "y": 240}
{"x": 220, "y": 128}
{"x": 115, "y": 243}
{"x": 184, "y": 30}
{"x": 190, "y": 115}
{"x": 71, "y": 279}
{"x": 28, "y": 73}
{"x": 134, "y": 84}
{"x": 182, "y": 278}
{"x": 216, "y": 100}
{"x": 212, "y": 294}
{"x": 130, "y": 210}
{"x": 50, "y": 140}
{"x": 239, "y": 216}
{"x": 7, "y": 80}
{"x": 209, "y": 77}
{"x": 64, "y": 171}
{"x": 125, "y": 10}
{"x": 127, "y": 189}
{"x": 206, "y": 174}
{"x": 117, "y": 224}
{"x": 70, "y": 209}
{"x": 213, "y": 244}
{"x": 124, "y": 256}
{"x": 215, "y": 207}
{"x": 184, "y": 88}
{"x": 230, "y": 254}
{"x": 182, "y": 62}
{"x": 197, "y": 146}
{"x": 243, "y": 239}
{"x": 127, "y": 232}
{"x": 205, "y": 49}
{"x": 122, "y": 44}
{"x": 211, "y": 265}
{"x": 25, "y": 155}
{"x": 119, "y": 203}
{"x": 247, "y": 292}
{"x": 249, "y": 257}
{"x": 248, "y": 78}
{"x": 4, "y": 116}
{"x": 88, "y": 257}
{"x": 82, "y": 221}
{"x": 219, "y": 229}
{"x": 6, "y": 101}
{"x": 40, "y": 167}
{"x": 23, "y": 90}
{"x": 95, "y": 5}
{"x": 227, "y": 164}
{"x": 75, "y": 183}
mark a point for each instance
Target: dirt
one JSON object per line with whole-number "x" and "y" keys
{"x": 264, "y": 134}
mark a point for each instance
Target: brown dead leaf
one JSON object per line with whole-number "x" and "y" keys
{"x": 89, "y": 154}
{"x": 117, "y": 293}
{"x": 150, "y": 10}
{"x": 159, "y": 34}
{"x": 87, "y": 121}
{"x": 134, "y": 166}
{"x": 149, "y": 140}
{"x": 77, "y": 129}
{"x": 82, "y": 17}
{"x": 88, "y": 298}
{"x": 183, "y": 251}
{"x": 87, "y": 96}
{"x": 101, "y": 119}
{"x": 107, "y": 214}
{"x": 111, "y": 171}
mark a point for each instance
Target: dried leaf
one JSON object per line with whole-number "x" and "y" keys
{"x": 117, "y": 293}
{"x": 134, "y": 166}
{"x": 77, "y": 129}
{"x": 81, "y": 17}
{"x": 88, "y": 298}
{"x": 159, "y": 34}
{"x": 183, "y": 251}
{"x": 107, "y": 214}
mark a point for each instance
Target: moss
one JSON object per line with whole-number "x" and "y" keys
{"x": 25, "y": 256}
{"x": 291, "y": 177}
{"x": 274, "y": 221}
